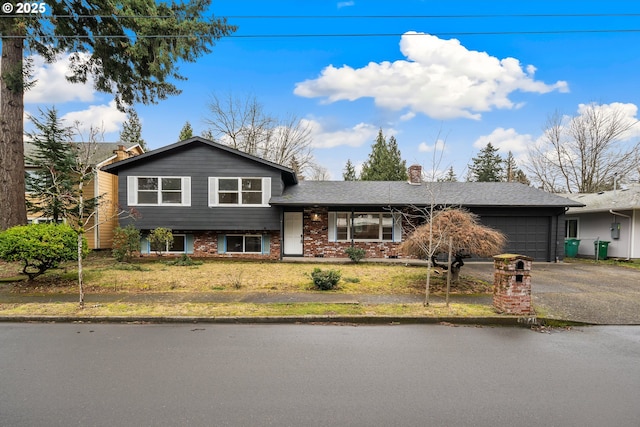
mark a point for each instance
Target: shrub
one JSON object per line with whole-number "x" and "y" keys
{"x": 184, "y": 261}
{"x": 40, "y": 247}
{"x": 126, "y": 241}
{"x": 160, "y": 239}
{"x": 325, "y": 279}
{"x": 355, "y": 254}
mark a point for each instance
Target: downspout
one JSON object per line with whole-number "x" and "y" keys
{"x": 96, "y": 230}
{"x": 353, "y": 221}
{"x": 611, "y": 211}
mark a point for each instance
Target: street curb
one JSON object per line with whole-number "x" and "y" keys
{"x": 364, "y": 320}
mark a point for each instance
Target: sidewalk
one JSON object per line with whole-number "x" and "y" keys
{"x": 582, "y": 293}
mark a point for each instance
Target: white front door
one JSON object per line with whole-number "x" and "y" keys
{"x": 293, "y": 233}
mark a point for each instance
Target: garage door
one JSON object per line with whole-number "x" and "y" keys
{"x": 526, "y": 235}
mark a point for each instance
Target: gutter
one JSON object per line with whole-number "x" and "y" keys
{"x": 611, "y": 211}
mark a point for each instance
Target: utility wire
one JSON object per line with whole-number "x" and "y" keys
{"x": 283, "y": 36}
{"x": 342, "y": 17}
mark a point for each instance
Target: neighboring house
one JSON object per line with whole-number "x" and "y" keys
{"x": 104, "y": 184}
{"x": 612, "y": 216}
{"x": 221, "y": 202}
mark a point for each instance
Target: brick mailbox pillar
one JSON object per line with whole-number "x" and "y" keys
{"x": 512, "y": 284}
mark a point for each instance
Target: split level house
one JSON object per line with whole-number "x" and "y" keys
{"x": 103, "y": 221}
{"x": 609, "y": 216}
{"x": 220, "y": 202}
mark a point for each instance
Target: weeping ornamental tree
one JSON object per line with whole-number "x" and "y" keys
{"x": 129, "y": 48}
{"x": 456, "y": 231}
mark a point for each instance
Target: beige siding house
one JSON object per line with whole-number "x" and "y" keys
{"x": 104, "y": 220}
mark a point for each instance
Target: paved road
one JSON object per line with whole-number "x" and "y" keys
{"x": 316, "y": 375}
{"x": 597, "y": 294}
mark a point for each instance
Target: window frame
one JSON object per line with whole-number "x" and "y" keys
{"x": 133, "y": 190}
{"x": 350, "y": 225}
{"x": 167, "y": 249}
{"x": 244, "y": 243}
{"x": 567, "y": 228}
{"x": 214, "y": 191}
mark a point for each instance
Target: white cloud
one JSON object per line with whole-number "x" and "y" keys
{"x": 353, "y": 137}
{"x": 627, "y": 114}
{"x": 426, "y": 148}
{"x": 506, "y": 140}
{"x": 440, "y": 78}
{"x": 107, "y": 118}
{"x": 52, "y": 86}
{"x": 342, "y": 4}
{"x": 408, "y": 116}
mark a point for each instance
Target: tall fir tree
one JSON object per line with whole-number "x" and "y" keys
{"x": 397, "y": 166}
{"x": 511, "y": 171}
{"x": 384, "y": 162}
{"x": 186, "y": 132}
{"x": 349, "y": 173}
{"x": 132, "y": 130}
{"x": 450, "y": 176}
{"x": 487, "y": 167}
{"x": 53, "y": 158}
{"x": 114, "y": 45}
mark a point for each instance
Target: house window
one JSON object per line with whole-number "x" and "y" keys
{"x": 571, "y": 229}
{"x": 239, "y": 191}
{"x": 369, "y": 226}
{"x": 154, "y": 190}
{"x": 178, "y": 246}
{"x": 44, "y": 221}
{"x": 244, "y": 244}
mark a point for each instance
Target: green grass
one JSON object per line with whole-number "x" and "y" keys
{"x": 123, "y": 309}
{"x": 632, "y": 263}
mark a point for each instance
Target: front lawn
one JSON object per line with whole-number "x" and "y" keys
{"x": 104, "y": 275}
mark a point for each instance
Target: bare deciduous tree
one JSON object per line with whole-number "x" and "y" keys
{"x": 81, "y": 210}
{"x": 241, "y": 123}
{"x": 583, "y": 153}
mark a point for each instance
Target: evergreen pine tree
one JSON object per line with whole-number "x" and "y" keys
{"x": 349, "y": 173}
{"x": 511, "y": 171}
{"x": 397, "y": 166}
{"x": 53, "y": 158}
{"x": 449, "y": 177}
{"x": 186, "y": 132}
{"x": 385, "y": 162}
{"x": 487, "y": 167}
{"x": 132, "y": 130}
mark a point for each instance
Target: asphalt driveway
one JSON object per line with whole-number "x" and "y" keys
{"x": 597, "y": 294}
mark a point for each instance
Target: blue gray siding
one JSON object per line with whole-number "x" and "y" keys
{"x": 201, "y": 162}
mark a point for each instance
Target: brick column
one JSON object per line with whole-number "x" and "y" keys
{"x": 512, "y": 284}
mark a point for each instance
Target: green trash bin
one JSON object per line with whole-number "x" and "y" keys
{"x": 571, "y": 247}
{"x": 601, "y": 247}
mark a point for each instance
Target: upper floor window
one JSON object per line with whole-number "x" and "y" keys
{"x": 159, "y": 190}
{"x": 239, "y": 191}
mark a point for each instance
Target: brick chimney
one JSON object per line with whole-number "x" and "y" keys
{"x": 415, "y": 174}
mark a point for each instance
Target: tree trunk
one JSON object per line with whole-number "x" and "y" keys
{"x": 80, "y": 278}
{"x": 12, "y": 187}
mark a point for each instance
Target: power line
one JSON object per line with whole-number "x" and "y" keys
{"x": 342, "y": 17}
{"x": 482, "y": 16}
{"x": 355, "y": 35}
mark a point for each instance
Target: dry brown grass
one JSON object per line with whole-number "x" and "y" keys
{"x": 104, "y": 275}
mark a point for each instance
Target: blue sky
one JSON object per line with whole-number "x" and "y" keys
{"x": 448, "y": 74}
